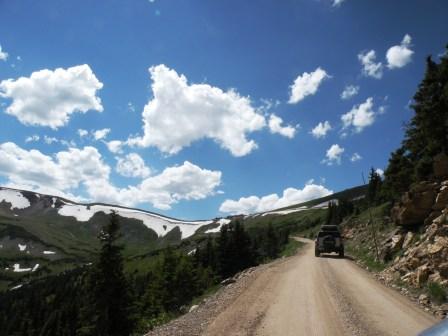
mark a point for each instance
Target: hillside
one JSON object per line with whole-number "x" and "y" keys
{"x": 42, "y": 234}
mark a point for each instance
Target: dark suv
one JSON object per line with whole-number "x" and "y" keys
{"x": 329, "y": 240}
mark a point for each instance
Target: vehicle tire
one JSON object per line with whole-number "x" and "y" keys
{"x": 341, "y": 253}
{"x": 316, "y": 253}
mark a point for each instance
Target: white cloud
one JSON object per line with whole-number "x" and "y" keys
{"x": 360, "y": 116}
{"x": 400, "y": 55}
{"x": 182, "y": 113}
{"x": 48, "y": 98}
{"x": 355, "y": 157}
{"x": 349, "y": 92}
{"x": 337, "y": 3}
{"x": 370, "y": 67}
{"x": 101, "y": 134}
{"x": 291, "y": 196}
{"x": 32, "y": 138}
{"x": 380, "y": 172}
{"x": 66, "y": 171}
{"x": 82, "y": 133}
{"x": 333, "y": 155}
{"x": 3, "y": 54}
{"x": 185, "y": 182}
{"x": 115, "y": 146}
{"x": 306, "y": 84}
{"x": 49, "y": 140}
{"x": 321, "y": 130}
{"x": 275, "y": 126}
{"x": 132, "y": 165}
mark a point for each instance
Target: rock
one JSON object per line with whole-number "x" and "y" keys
{"x": 440, "y": 165}
{"x": 433, "y": 215}
{"x": 227, "y": 281}
{"x": 412, "y": 263}
{"x": 194, "y": 307}
{"x": 443, "y": 270}
{"x": 415, "y": 205}
{"x": 408, "y": 239}
{"x": 423, "y": 299}
{"x": 422, "y": 275}
{"x": 440, "y": 243}
{"x": 435, "y": 277}
{"x": 441, "y": 199}
{"x": 397, "y": 242}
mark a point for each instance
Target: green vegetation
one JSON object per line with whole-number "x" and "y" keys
{"x": 426, "y": 133}
{"x": 102, "y": 299}
{"x": 436, "y": 293}
{"x": 291, "y": 248}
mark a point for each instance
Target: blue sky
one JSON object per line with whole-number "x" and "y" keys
{"x": 210, "y": 105}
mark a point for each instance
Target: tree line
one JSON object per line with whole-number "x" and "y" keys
{"x": 103, "y": 300}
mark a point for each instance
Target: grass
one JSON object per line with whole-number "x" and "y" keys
{"x": 291, "y": 248}
{"x": 365, "y": 257}
{"x": 436, "y": 293}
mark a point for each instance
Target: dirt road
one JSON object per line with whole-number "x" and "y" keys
{"x": 304, "y": 295}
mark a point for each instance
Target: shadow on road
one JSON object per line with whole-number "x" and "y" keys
{"x": 335, "y": 256}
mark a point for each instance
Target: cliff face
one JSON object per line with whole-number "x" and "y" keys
{"x": 422, "y": 237}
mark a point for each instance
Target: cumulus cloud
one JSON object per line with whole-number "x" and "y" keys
{"x": 399, "y": 55}
{"x": 355, "y": 157}
{"x": 275, "y": 126}
{"x": 181, "y": 113}
{"x": 360, "y": 116}
{"x": 115, "y": 146}
{"x": 66, "y": 171}
{"x": 334, "y": 155}
{"x": 370, "y": 67}
{"x": 49, "y": 140}
{"x": 132, "y": 165}
{"x": 32, "y": 138}
{"x": 291, "y": 196}
{"x": 3, "y": 54}
{"x": 101, "y": 134}
{"x": 48, "y": 98}
{"x": 83, "y": 133}
{"x": 349, "y": 92}
{"x": 306, "y": 84}
{"x": 184, "y": 182}
{"x": 321, "y": 130}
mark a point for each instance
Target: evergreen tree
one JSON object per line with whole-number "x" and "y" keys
{"x": 426, "y": 134}
{"x": 112, "y": 304}
{"x": 374, "y": 187}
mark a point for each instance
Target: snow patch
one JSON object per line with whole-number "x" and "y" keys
{"x": 17, "y": 200}
{"x": 21, "y": 247}
{"x": 49, "y": 252}
{"x": 285, "y": 212}
{"x": 161, "y": 225}
{"x": 35, "y": 268}
{"x": 193, "y": 251}
{"x": 16, "y": 287}
{"x": 324, "y": 205}
{"x": 18, "y": 269}
{"x": 221, "y": 222}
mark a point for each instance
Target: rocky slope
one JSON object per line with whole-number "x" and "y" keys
{"x": 409, "y": 248}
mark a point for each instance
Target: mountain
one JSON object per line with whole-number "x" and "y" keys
{"x": 42, "y": 234}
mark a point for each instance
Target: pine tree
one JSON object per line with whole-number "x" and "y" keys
{"x": 426, "y": 134}
{"x": 374, "y": 187}
{"x": 112, "y": 304}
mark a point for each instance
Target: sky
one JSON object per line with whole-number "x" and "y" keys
{"x": 200, "y": 109}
